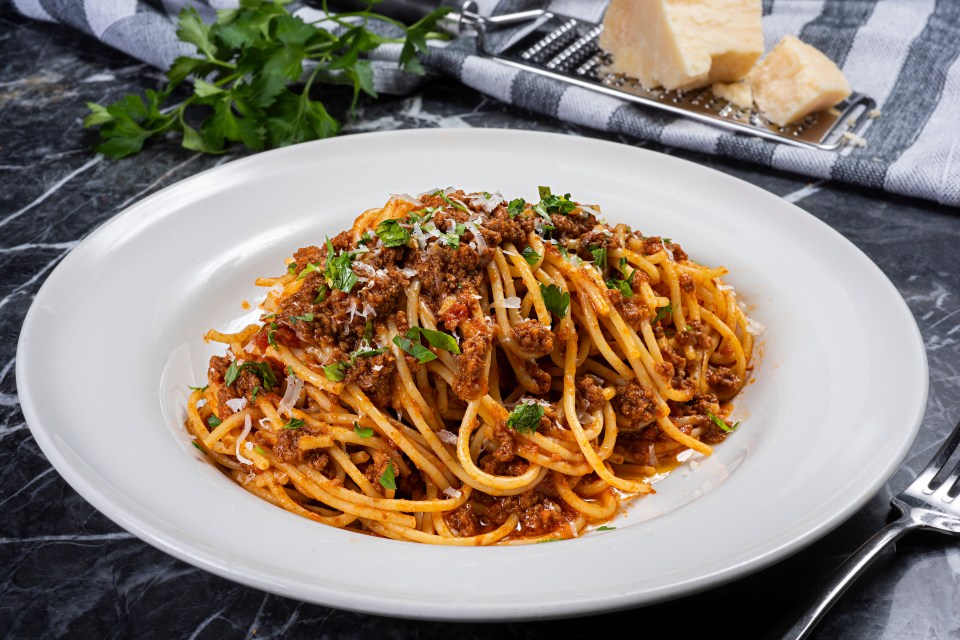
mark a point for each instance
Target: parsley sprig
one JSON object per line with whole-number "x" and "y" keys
{"x": 248, "y": 82}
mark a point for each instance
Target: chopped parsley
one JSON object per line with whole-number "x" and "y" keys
{"x": 201, "y": 389}
{"x": 260, "y": 450}
{"x": 201, "y": 449}
{"x": 530, "y": 255}
{"x": 625, "y": 286}
{"x": 336, "y": 371}
{"x": 339, "y": 273}
{"x": 271, "y": 334}
{"x": 721, "y": 423}
{"x": 415, "y": 349}
{"x": 363, "y": 432}
{"x": 604, "y": 528}
{"x": 599, "y": 258}
{"x": 438, "y": 339}
{"x": 321, "y": 293}
{"x": 306, "y": 317}
{"x": 516, "y": 207}
{"x": 292, "y": 268}
{"x": 555, "y": 299}
{"x": 260, "y": 369}
{"x": 550, "y": 204}
{"x": 392, "y": 234}
{"x": 307, "y": 270}
{"x": 452, "y": 203}
{"x": 214, "y": 421}
{"x": 663, "y": 312}
{"x": 525, "y": 418}
{"x": 295, "y": 423}
{"x": 387, "y": 479}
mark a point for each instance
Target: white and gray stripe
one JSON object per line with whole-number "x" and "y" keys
{"x": 903, "y": 53}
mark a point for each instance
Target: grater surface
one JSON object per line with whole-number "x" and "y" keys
{"x": 566, "y": 49}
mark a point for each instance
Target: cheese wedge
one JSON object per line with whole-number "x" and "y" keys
{"x": 682, "y": 44}
{"x": 795, "y": 80}
{"x": 738, "y": 93}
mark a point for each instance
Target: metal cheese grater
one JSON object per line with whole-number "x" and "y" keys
{"x": 566, "y": 49}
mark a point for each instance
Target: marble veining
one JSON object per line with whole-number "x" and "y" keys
{"x": 68, "y": 572}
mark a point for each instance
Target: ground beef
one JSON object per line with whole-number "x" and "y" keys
{"x": 375, "y": 376}
{"x": 472, "y": 381}
{"x": 590, "y": 394}
{"x": 695, "y": 335}
{"x": 635, "y": 402}
{"x": 287, "y": 449}
{"x": 687, "y": 283}
{"x": 539, "y": 512}
{"x": 678, "y": 253}
{"x": 541, "y": 379}
{"x": 634, "y": 447}
{"x": 572, "y": 226}
{"x": 596, "y": 238}
{"x": 533, "y": 337}
{"x": 631, "y": 312}
{"x": 444, "y": 271}
{"x": 489, "y": 463}
{"x": 463, "y": 521}
{"x": 723, "y": 379}
{"x": 506, "y": 443}
{"x": 506, "y": 227}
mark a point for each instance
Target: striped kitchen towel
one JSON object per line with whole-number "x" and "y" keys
{"x": 903, "y": 53}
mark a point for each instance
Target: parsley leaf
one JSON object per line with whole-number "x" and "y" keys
{"x": 415, "y": 349}
{"x": 336, "y": 371}
{"x": 604, "y": 528}
{"x": 214, "y": 421}
{"x": 599, "y": 258}
{"x": 295, "y": 423}
{"x": 363, "y": 432}
{"x": 721, "y": 423}
{"x": 246, "y": 81}
{"x": 339, "y": 273}
{"x": 260, "y": 369}
{"x": 555, "y": 300}
{"x": 392, "y": 234}
{"x": 387, "y": 478}
{"x": 550, "y": 203}
{"x": 452, "y": 203}
{"x": 438, "y": 339}
{"x": 530, "y": 255}
{"x": 203, "y": 388}
{"x": 663, "y": 313}
{"x": 516, "y": 207}
{"x": 525, "y": 418}
{"x": 321, "y": 293}
{"x": 306, "y": 317}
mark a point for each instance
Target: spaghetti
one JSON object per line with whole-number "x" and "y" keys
{"x": 460, "y": 369}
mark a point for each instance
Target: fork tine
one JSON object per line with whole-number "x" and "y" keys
{"x": 923, "y": 480}
{"x": 942, "y": 490}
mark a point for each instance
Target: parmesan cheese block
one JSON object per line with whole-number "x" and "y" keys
{"x": 738, "y": 93}
{"x": 795, "y": 80}
{"x": 682, "y": 44}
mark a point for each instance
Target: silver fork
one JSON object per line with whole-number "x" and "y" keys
{"x": 923, "y": 505}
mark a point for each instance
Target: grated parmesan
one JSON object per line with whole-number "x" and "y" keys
{"x": 451, "y": 492}
{"x": 247, "y": 425}
{"x": 446, "y": 436}
{"x": 236, "y": 404}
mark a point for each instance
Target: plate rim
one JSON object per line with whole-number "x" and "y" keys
{"x": 484, "y": 611}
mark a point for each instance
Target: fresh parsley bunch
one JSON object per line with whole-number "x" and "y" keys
{"x": 246, "y": 79}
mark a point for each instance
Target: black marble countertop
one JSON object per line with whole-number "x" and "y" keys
{"x": 67, "y": 571}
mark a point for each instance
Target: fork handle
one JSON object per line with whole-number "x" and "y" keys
{"x": 841, "y": 579}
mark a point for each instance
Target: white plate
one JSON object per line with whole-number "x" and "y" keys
{"x": 114, "y": 338}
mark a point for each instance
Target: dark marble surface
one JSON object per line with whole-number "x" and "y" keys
{"x": 67, "y": 571}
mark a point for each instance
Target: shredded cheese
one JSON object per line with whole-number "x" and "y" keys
{"x": 247, "y": 425}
